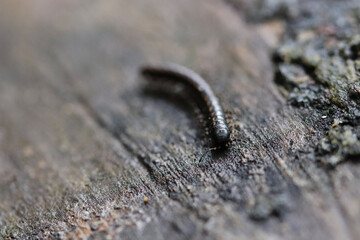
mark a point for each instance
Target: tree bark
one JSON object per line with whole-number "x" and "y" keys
{"x": 89, "y": 150}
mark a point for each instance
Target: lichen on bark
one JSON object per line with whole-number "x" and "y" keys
{"x": 319, "y": 67}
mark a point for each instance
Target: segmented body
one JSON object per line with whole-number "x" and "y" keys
{"x": 182, "y": 74}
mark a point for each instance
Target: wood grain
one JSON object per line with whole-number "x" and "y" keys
{"x": 88, "y": 150}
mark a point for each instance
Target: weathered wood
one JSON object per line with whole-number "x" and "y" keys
{"x": 88, "y": 150}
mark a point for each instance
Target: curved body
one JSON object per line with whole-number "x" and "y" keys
{"x": 182, "y": 74}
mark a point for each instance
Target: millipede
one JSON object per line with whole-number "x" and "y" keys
{"x": 220, "y": 129}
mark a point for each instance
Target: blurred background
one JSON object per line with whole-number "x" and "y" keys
{"x": 85, "y": 154}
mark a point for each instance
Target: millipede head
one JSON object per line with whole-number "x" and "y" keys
{"x": 221, "y": 136}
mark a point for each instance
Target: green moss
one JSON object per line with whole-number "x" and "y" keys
{"x": 342, "y": 143}
{"x": 328, "y": 57}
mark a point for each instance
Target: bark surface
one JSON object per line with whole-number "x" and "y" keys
{"x": 89, "y": 150}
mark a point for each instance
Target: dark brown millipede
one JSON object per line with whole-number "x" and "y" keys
{"x": 182, "y": 74}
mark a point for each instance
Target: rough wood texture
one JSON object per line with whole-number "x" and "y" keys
{"x": 88, "y": 150}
